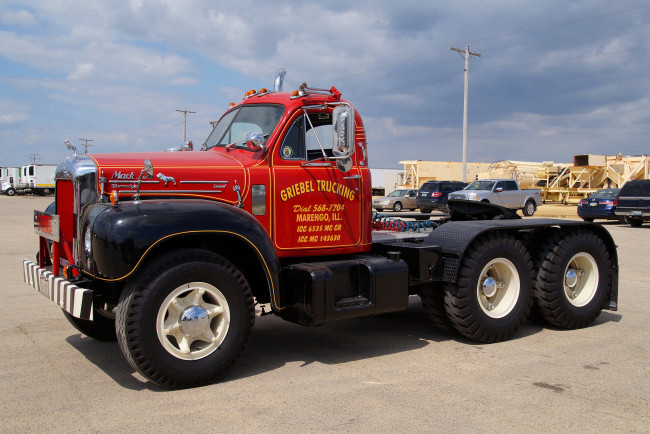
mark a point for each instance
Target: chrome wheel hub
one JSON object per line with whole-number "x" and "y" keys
{"x": 193, "y": 321}
{"x": 581, "y": 279}
{"x": 498, "y": 288}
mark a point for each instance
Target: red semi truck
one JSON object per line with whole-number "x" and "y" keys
{"x": 169, "y": 252}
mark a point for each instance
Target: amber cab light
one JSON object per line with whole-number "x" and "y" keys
{"x": 231, "y": 104}
{"x": 115, "y": 197}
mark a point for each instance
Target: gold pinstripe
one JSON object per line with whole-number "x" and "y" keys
{"x": 268, "y": 272}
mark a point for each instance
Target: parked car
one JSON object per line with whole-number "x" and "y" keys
{"x": 634, "y": 202}
{"x": 433, "y": 194}
{"x": 396, "y": 200}
{"x": 504, "y": 192}
{"x": 600, "y": 205}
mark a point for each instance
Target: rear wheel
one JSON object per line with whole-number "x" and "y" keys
{"x": 634, "y": 222}
{"x": 574, "y": 280}
{"x": 433, "y": 300}
{"x": 186, "y": 319}
{"x": 102, "y": 327}
{"x": 529, "y": 208}
{"x": 492, "y": 298}
{"x": 588, "y": 219}
{"x": 423, "y": 211}
{"x": 397, "y": 206}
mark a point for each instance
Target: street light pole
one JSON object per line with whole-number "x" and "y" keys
{"x": 185, "y": 112}
{"x": 466, "y": 56}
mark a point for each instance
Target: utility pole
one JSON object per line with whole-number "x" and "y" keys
{"x": 35, "y": 158}
{"x": 466, "y": 56}
{"x": 86, "y": 144}
{"x": 185, "y": 112}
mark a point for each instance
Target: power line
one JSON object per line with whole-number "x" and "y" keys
{"x": 566, "y": 59}
{"x": 568, "y": 37}
{"x": 561, "y": 24}
{"x": 490, "y": 38}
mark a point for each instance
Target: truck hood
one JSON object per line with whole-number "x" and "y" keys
{"x": 206, "y": 174}
{"x": 468, "y": 192}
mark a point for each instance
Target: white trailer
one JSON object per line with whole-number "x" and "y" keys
{"x": 8, "y": 177}
{"x": 34, "y": 179}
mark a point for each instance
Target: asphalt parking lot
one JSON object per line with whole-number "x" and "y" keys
{"x": 389, "y": 373}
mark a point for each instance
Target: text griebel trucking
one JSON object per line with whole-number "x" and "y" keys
{"x": 321, "y": 185}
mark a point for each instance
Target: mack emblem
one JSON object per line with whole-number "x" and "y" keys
{"x": 122, "y": 176}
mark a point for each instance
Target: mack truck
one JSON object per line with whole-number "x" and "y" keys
{"x": 169, "y": 253}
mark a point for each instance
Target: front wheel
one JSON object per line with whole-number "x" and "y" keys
{"x": 588, "y": 219}
{"x": 11, "y": 191}
{"x": 186, "y": 319}
{"x": 397, "y": 206}
{"x": 529, "y": 208}
{"x": 492, "y": 297}
{"x": 574, "y": 280}
{"x": 634, "y": 222}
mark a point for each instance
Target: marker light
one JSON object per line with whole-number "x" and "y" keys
{"x": 231, "y": 104}
{"x": 295, "y": 93}
{"x": 115, "y": 197}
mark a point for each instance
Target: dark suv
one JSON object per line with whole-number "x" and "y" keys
{"x": 634, "y": 202}
{"x": 433, "y": 194}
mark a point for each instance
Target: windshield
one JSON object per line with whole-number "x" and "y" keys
{"x": 480, "y": 185}
{"x": 235, "y": 125}
{"x": 397, "y": 193}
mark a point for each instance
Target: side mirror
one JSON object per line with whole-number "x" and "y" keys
{"x": 148, "y": 168}
{"x": 255, "y": 141}
{"x": 343, "y": 136}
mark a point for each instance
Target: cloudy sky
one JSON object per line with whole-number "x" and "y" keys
{"x": 556, "y": 78}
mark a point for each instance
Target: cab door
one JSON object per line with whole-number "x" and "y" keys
{"x": 316, "y": 206}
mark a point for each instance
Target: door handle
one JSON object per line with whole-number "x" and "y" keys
{"x": 352, "y": 177}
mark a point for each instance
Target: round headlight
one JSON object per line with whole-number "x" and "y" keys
{"x": 87, "y": 241}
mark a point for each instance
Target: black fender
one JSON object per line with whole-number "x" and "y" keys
{"x": 126, "y": 236}
{"x": 455, "y": 237}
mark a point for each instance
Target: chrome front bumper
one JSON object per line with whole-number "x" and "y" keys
{"x": 77, "y": 301}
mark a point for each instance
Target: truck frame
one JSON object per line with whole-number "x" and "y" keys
{"x": 170, "y": 252}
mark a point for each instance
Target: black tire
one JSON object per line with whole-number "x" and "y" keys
{"x": 570, "y": 299}
{"x": 102, "y": 327}
{"x": 529, "y": 208}
{"x": 423, "y": 211}
{"x": 397, "y": 206}
{"x": 10, "y": 191}
{"x": 433, "y": 301}
{"x": 185, "y": 319}
{"x": 412, "y": 209}
{"x": 379, "y": 209}
{"x": 636, "y": 223}
{"x": 588, "y": 219}
{"x": 494, "y": 260}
